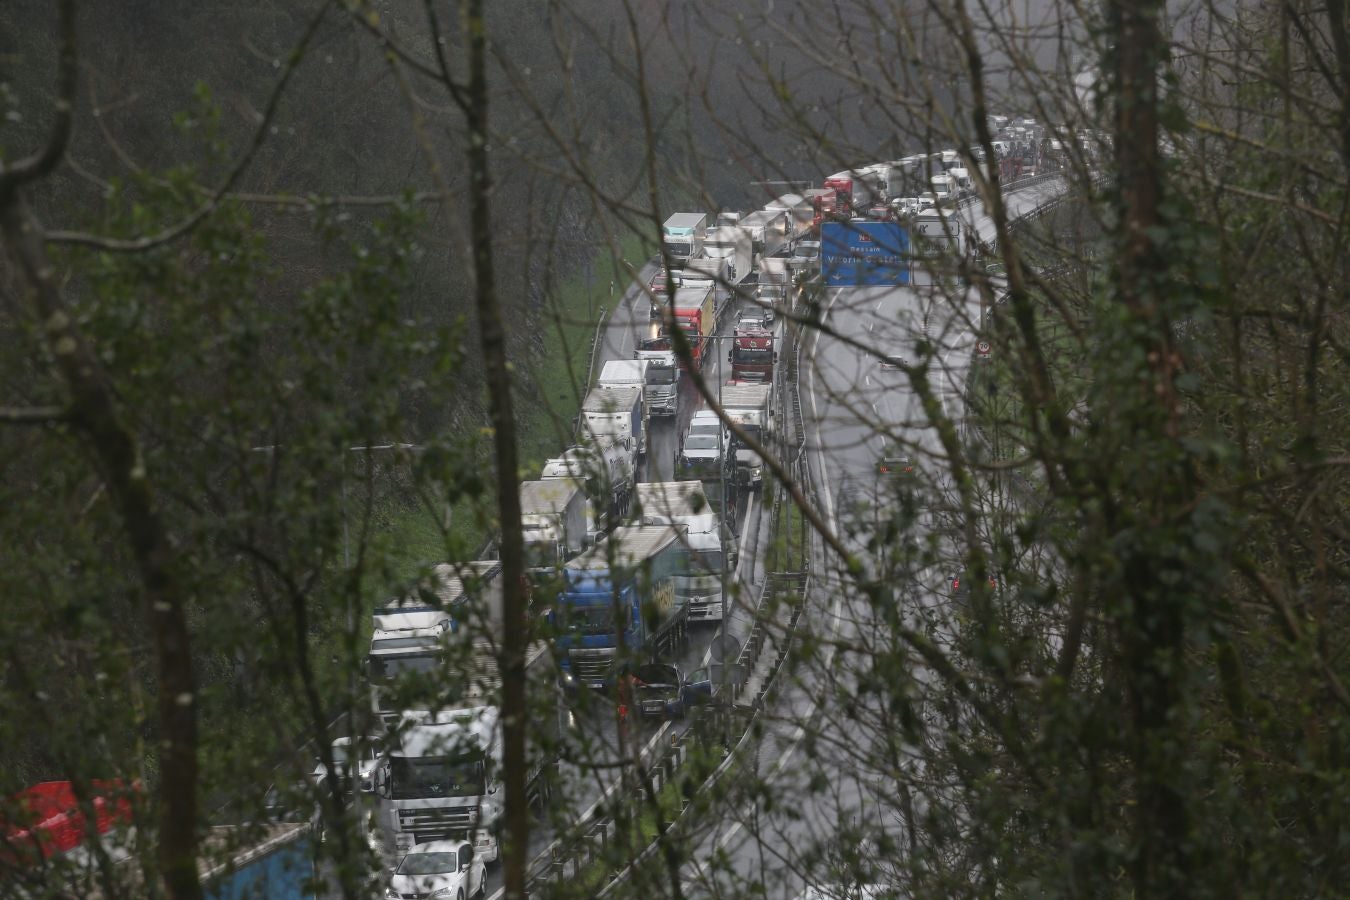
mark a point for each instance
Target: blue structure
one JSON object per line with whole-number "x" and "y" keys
{"x": 280, "y": 868}
{"x": 863, "y": 253}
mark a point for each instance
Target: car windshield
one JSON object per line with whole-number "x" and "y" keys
{"x": 428, "y": 863}
{"x": 657, "y": 674}
{"x": 701, "y": 442}
{"x": 416, "y": 778}
{"x": 704, "y": 427}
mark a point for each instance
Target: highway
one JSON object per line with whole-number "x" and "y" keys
{"x": 596, "y": 746}
{"x": 852, "y": 405}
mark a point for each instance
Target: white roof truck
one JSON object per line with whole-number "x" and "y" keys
{"x": 606, "y": 468}
{"x": 944, "y": 187}
{"x": 442, "y": 778}
{"x": 410, "y": 633}
{"x": 620, "y": 373}
{"x": 553, "y": 514}
{"x": 685, "y": 503}
{"x": 800, "y": 215}
{"x": 775, "y": 284}
{"x": 682, "y": 236}
{"x": 617, "y": 413}
{"x": 768, "y": 230}
{"x": 733, "y": 244}
{"x": 749, "y": 406}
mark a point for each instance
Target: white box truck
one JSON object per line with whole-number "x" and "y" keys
{"x": 733, "y": 244}
{"x": 682, "y": 236}
{"x": 685, "y": 503}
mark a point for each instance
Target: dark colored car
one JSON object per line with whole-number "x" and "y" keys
{"x": 661, "y": 691}
{"x": 893, "y": 462}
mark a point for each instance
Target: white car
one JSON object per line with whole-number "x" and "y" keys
{"x": 364, "y": 753}
{"x": 439, "y": 870}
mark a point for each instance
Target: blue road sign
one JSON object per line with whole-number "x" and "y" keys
{"x": 854, "y": 253}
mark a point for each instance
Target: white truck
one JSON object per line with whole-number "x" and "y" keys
{"x": 617, "y": 413}
{"x": 944, "y": 187}
{"x": 733, "y": 244}
{"x": 627, "y": 373}
{"x": 685, "y": 503}
{"x": 663, "y": 381}
{"x": 682, "y": 236}
{"x": 712, "y": 274}
{"x": 554, "y": 516}
{"x": 750, "y": 407}
{"x": 410, "y": 632}
{"x": 606, "y": 469}
{"x": 768, "y": 230}
{"x": 442, "y": 776}
{"x": 775, "y": 283}
{"x": 711, "y": 269}
{"x": 964, "y": 184}
{"x": 799, "y": 212}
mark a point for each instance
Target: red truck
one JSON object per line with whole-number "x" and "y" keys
{"x": 842, "y": 184}
{"x": 822, "y": 202}
{"x": 752, "y": 355}
{"x": 696, "y": 315}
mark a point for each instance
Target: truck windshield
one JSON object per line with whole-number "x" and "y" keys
{"x": 704, "y": 562}
{"x": 419, "y": 778}
{"x": 679, "y": 249}
{"x": 660, "y": 374}
{"x": 758, "y": 357}
{"x": 385, "y": 669}
{"x": 596, "y": 619}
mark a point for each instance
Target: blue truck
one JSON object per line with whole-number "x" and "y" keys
{"x": 624, "y": 586}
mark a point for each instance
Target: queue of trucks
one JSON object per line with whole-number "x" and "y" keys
{"x": 628, "y": 566}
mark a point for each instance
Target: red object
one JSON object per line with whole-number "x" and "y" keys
{"x": 752, "y": 355}
{"x": 823, "y": 201}
{"x": 51, "y": 821}
{"x": 843, "y": 193}
{"x": 697, "y": 324}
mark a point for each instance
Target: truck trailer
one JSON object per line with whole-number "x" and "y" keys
{"x": 695, "y": 313}
{"x": 750, "y": 407}
{"x": 554, "y": 515}
{"x": 616, "y": 414}
{"x": 628, "y": 373}
{"x": 733, "y": 244}
{"x": 606, "y": 469}
{"x": 685, "y": 503}
{"x": 799, "y": 212}
{"x": 775, "y": 283}
{"x": 622, "y": 588}
{"x": 683, "y": 235}
{"x": 769, "y": 232}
